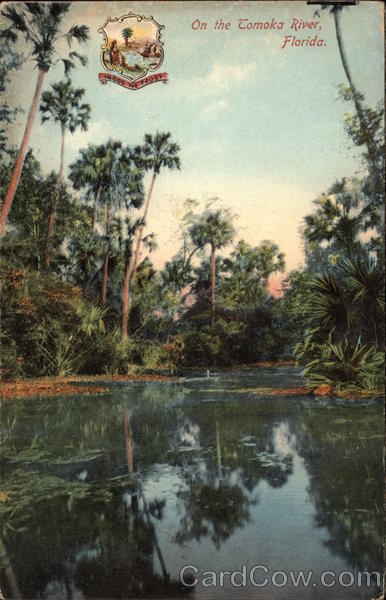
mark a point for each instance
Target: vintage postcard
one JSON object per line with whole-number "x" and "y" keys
{"x": 192, "y": 300}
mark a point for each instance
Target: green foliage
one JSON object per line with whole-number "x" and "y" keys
{"x": 343, "y": 316}
{"x": 163, "y": 357}
{"x": 111, "y": 354}
{"x": 157, "y": 152}
{"x": 205, "y": 348}
{"x": 247, "y": 272}
{"x": 47, "y": 324}
{"x": 213, "y": 228}
{"x": 62, "y": 104}
{"x": 341, "y": 304}
{"x": 203, "y": 307}
{"x": 342, "y": 366}
{"x": 30, "y": 213}
{"x": 40, "y": 25}
{"x": 127, "y": 33}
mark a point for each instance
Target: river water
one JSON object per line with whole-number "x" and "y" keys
{"x": 116, "y": 495}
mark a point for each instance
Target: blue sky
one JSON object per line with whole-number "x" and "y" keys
{"x": 259, "y": 126}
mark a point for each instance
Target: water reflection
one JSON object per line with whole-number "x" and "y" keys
{"x": 108, "y": 497}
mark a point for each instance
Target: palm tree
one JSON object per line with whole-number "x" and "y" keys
{"x": 248, "y": 269}
{"x": 127, "y": 33}
{"x": 63, "y": 105}
{"x": 213, "y": 227}
{"x": 107, "y": 160}
{"x": 98, "y": 168}
{"x": 157, "y": 152}
{"x": 339, "y": 219}
{"x": 85, "y": 253}
{"x": 84, "y": 173}
{"x": 39, "y": 23}
{"x": 357, "y": 97}
{"x": 121, "y": 184}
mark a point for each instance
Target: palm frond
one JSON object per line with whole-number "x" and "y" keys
{"x": 79, "y": 33}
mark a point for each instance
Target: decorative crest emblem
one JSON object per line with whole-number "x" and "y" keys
{"x": 132, "y": 48}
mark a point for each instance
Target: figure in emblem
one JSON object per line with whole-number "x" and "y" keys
{"x": 114, "y": 53}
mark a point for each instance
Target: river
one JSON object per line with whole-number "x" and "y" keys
{"x": 116, "y": 495}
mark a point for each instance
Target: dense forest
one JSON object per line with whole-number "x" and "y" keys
{"x": 80, "y": 292}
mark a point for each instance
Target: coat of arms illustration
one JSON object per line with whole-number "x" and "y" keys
{"x": 131, "y": 50}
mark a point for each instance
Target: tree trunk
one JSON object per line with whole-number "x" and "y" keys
{"x": 213, "y": 284}
{"x": 141, "y": 228}
{"x": 371, "y": 149}
{"x": 165, "y": 574}
{"x": 14, "y": 182}
{"x": 106, "y": 263}
{"x": 51, "y": 221}
{"x": 94, "y": 211}
{"x": 125, "y": 299}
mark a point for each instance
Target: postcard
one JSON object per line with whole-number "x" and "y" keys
{"x": 192, "y": 300}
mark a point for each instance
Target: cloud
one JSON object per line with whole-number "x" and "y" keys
{"x": 214, "y": 107}
{"x": 223, "y": 76}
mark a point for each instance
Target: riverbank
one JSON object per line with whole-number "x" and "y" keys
{"x": 98, "y": 384}
{"x": 69, "y": 385}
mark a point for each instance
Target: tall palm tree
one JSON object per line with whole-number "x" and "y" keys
{"x": 107, "y": 159}
{"x": 213, "y": 227}
{"x": 157, "y": 152}
{"x": 122, "y": 185}
{"x": 357, "y": 97}
{"x": 63, "y": 105}
{"x": 40, "y": 25}
{"x": 84, "y": 173}
{"x": 95, "y": 169}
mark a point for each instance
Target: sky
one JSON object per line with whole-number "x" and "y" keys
{"x": 260, "y": 126}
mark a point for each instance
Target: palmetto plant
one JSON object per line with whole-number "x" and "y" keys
{"x": 158, "y": 152}
{"x": 63, "y": 104}
{"x": 343, "y": 316}
{"x": 39, "y": 23}
{"x": 344, "y": 366}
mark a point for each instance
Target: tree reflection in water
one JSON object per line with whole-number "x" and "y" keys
{"x": 342, "y": 446}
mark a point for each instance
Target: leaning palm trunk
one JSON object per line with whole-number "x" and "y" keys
{"x": 125, "y": 299}
{"x": 14, "y": 182}
{"x": 141, "y": 228}
{"x": 372, "y": 151}
{"x": 51, "y": 221}
{"x": 106, "y": 262}
{"x": 213, "y": 284}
